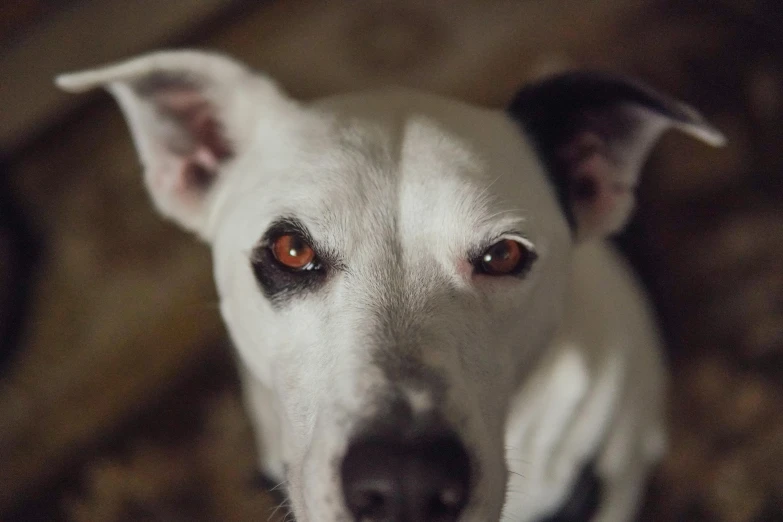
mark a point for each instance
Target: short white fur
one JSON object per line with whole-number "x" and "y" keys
{"x": 545, "y": 371}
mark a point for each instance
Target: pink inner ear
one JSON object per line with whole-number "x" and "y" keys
{"x": 199, "y": 170}
{"x": 197, "y": 119}
{"x": 198, "y": 139}
{"x": 596, "y": 189}
{"x": 208, "y": 134}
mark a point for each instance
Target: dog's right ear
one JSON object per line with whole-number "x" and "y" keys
{"x": 594, "y": 132}
{"x": 190, "y": 113}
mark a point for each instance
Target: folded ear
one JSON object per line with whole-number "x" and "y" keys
{"x": 190, "y": 113}
{"x": 594, "y": 132}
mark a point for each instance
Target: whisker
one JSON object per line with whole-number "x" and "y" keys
{"x": 275, "y": 488}
{"x": 274, "y": 512}
{"x": 489, "y": 186}
{"x": 501, "y": 212}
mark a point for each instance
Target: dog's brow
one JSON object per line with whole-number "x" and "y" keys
{"x": 510, "y": 221}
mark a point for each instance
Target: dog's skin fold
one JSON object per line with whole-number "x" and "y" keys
{"x": 458, "y": 290}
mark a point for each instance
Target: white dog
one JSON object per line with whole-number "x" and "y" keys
{"x": 432, "y": 325}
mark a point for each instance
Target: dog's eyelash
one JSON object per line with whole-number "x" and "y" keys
{"x": 509, "y": 234}
{"x": 287, "y": 226}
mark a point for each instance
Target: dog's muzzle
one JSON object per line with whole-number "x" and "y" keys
{"x": 420, "y": 477}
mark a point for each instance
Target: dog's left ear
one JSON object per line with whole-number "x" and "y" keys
{"x": 594, "y": 132}
{"x": 190, "y": 113}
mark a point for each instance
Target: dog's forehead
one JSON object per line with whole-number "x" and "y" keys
{"x": 398, "y": 166}
{"x": 403, "y": 179}
{"x": 408, "y": 173}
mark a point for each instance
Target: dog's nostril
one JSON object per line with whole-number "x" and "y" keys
{"x": 368, "y": 502}
{"x": 447, "y": 502}
{"x": 387, "y": 479}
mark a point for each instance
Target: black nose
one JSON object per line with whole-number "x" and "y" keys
{"x": 425, "y": 478}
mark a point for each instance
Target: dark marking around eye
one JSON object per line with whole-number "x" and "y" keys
{"x": 277, "y": 282}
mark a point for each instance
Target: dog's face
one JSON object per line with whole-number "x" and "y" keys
{"x": 382, "y": 262}
{"x": 391, "y": 264}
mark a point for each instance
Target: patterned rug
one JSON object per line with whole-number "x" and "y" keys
{"x": 707, "y": 240}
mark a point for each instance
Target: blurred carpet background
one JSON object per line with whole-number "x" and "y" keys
{"x": 118, "y": 396}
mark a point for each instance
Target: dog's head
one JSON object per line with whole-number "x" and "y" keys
{"x": 389, "y": 264}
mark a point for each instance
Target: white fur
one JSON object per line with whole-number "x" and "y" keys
{"x": 543, "y": 371}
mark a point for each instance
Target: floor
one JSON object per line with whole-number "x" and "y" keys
{"x": 119, "y": 400}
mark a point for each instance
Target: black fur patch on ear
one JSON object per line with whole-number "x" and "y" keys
{"x": 555, "y": 110}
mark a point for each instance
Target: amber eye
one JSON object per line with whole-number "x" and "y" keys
{"x": 506, "y": 257}
{"x": 292, "y": 251}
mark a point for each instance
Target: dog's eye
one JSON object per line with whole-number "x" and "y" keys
{"x": 506, "y": 257}
{"x": 293, "y": 252}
